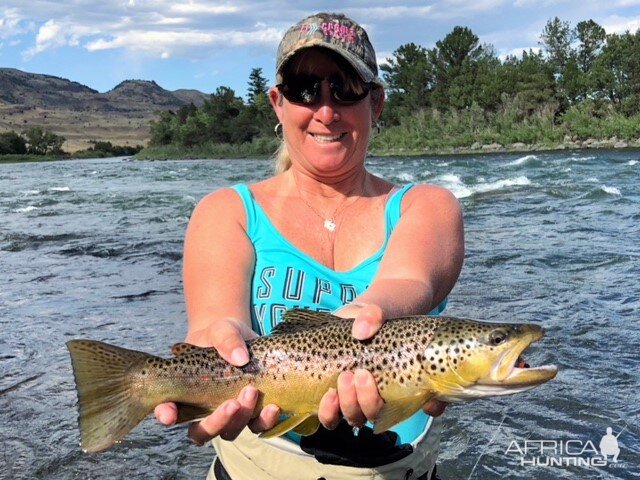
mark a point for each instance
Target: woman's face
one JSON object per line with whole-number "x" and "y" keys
{"x": 326, "y": 138}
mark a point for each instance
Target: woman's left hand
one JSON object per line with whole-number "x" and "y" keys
{"x": 357, "y": 398}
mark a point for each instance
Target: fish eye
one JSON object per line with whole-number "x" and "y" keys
{"x": 497, "y": 337}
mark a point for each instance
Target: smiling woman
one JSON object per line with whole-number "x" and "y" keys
{"x": 327, "y": 235}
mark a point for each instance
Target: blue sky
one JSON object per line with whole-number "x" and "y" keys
{"x": 204, "y": 44}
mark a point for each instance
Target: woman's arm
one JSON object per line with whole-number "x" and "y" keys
{"x": 422, "y": 262}
{"x": 420, "y": 267}
{"x": 217, "y": 269}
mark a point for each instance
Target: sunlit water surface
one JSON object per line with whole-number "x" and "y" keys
{"x": 93, "y": 249}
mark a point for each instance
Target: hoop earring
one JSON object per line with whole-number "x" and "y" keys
{"x": 375, "y": 125}
{"x": 278, "y": 130}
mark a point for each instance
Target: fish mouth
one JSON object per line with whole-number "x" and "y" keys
{"x": 512, "y": 370}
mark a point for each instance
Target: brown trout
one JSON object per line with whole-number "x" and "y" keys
{"x": 413, "y": 360}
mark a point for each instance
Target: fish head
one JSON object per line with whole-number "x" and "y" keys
{"x": 480, "y": 359}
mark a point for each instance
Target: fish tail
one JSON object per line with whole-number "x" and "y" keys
{"x": 110, "y": 403}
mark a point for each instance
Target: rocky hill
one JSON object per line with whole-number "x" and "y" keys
{"x": 82, "y": 114}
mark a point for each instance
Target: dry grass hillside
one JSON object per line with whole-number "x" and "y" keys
{"x": 81, "y": 114}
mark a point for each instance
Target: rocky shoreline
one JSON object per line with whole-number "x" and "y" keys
{"x": 569, "y": 143}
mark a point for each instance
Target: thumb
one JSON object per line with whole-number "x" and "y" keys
{"x": 368, "y": 321}
{"x": 228, "y": 338}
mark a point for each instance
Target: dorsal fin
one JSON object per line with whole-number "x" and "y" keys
{"x": 184, "y": 348}
{"x": 299, "y": 319}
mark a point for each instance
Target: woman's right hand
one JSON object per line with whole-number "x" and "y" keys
{"x": 228, "y": 337}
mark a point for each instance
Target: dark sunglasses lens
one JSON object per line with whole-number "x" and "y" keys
{"x": 344, "y": 94}
{"x": 301, "y": 89}
{"x": 305, "y": 89}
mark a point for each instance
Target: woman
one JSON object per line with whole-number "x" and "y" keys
{"x": 325, "y": 234}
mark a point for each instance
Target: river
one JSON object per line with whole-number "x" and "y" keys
{"x": 92, "y": 248}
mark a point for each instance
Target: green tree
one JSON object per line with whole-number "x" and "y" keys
{"x": 410, "y": 79}
{"x": 264, "y": 119}
{"x": 556, "y": 41}
{"x": 459, "y": 59}
{"x": 258, "y": 89}
{"x": 164, "y": 130}
{"x": 616, "y": 72}
{"x": 41, "y": 142}
{"x": 591, "y": 38}
{"x": 528, "y": 83}
{"x": 12, "y": 143}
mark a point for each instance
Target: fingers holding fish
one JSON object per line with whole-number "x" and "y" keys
{"x": 434, "y": 407}
{"x": 228, "y": 338}
{"x": 354, "y": 388}
{"x": 228, "y": 420}
{"x": 266, "y": 420}
{"x": 166, "y": 413}
{"x": 369, "y": 398}
{"x": 368, "y": 320}
{"x": 329, "y": 409}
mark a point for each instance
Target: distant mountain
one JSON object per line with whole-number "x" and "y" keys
{"x": 49, "y": 92}
{"x": 191, "y": 96}
{"x": 81, "y": 114}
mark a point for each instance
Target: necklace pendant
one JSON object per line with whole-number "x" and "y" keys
{"x": 329, "y": 225}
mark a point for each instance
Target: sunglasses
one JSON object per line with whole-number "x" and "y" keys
{"x": 306, "y": 90}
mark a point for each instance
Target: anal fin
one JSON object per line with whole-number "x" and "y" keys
{"x": 308, "y": 427}
{"x": 286, "y": 425}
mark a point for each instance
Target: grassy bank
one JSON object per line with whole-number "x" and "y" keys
{"x": 19, "y": 158}
{"x": 260, "y": 147}
{"x": 474, "y": 130}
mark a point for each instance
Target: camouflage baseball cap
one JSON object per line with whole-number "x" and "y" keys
{"x": 336, "y": 32}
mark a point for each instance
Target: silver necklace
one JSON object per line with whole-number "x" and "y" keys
{"x": 328, "y": 222}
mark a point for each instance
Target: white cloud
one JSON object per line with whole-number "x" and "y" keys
{"x": 517, "y": 52}
{"x": 616, "y": 24}
{"x": 56, "y": 34}
{"x": 383, "y": 13}
{"x": 168, "y": 43}
{"x": 10, "y": 22}
{"x": 200, "y": 8}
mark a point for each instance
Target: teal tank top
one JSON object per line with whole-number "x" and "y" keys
{"x": 285, "y": 277}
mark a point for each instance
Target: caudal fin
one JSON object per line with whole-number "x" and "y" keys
{"x": 109, "y": 406}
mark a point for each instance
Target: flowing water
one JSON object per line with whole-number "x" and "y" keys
{"x": 92, "y": 249}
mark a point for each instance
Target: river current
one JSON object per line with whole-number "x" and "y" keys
{"x": 93, "y": 249}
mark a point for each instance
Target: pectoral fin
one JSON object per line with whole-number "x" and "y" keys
{"x": 399, "y": 409}
{"x": 288, "y": 424}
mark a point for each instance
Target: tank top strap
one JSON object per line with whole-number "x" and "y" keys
{"x": 393, "y": 209}
{"x": 249, "y": 207}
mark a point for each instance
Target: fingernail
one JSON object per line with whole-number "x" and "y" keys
{"x": 272, "y": 410}
{"x": 346, "y": 379}
{"x": 239, "y": 356}
{"x": 362, "y": 331}
{"x": 361, "y": 379}
{"x": 231, "y": 408}
{"x": 249, "y": 394}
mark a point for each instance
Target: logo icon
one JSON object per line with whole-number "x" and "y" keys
{"x": 609, "y": 445}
